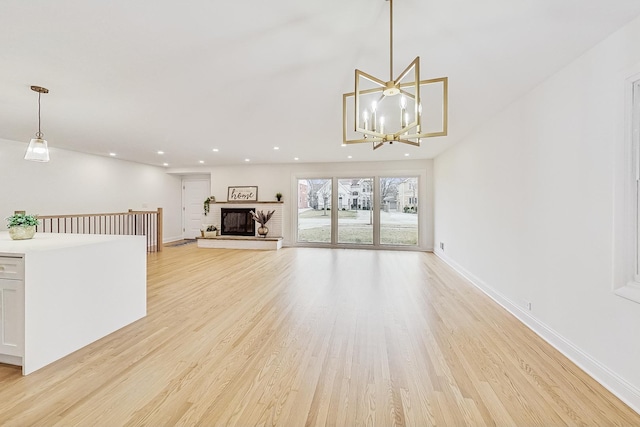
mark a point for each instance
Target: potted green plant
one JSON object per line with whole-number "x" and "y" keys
{"x": 278, "y": 196}
{"x": 207, "y": 203}
{"x": 22, "y": 226}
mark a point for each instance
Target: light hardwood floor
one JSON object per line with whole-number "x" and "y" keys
{"x": 311, "y": 337}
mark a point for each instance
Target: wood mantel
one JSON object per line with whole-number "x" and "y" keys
{"x": 248, "y": 202}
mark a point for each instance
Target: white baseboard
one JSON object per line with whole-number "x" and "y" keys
{"x": 171, "y": 239}
{"x": 617, "y": 385}
{"x": 11, "y": 360}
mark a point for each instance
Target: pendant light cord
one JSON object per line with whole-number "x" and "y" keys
{"x": 39, "y": 134}
{"x": 390, "y": 40}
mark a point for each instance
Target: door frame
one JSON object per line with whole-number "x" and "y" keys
{"x": 186, "y": 179}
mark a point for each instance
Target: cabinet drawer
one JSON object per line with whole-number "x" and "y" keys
{"x": 11, "y": 268}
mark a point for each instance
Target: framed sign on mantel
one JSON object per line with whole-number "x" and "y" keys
{"x": 242, "y": 194}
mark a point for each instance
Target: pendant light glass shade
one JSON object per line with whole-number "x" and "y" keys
{"x": 38, "y": 151}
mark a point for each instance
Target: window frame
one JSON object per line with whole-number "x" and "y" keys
{"x": 626, "y": 281}
{"x": 425, "y": 205}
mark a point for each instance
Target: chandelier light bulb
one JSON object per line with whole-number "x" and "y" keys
{"x": 403, "y": 112}
{"x": 374, "y": 115}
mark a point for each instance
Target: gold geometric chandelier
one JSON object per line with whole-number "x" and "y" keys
{"x": 405, "y": 109}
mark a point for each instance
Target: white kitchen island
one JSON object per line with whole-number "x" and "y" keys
{"x": 60, "y": 292}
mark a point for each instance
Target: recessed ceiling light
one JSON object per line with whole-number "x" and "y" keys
{"x": 349, "y": 157}
{"x": 112, "y": 154}
{"x": 406, "y": 154}
{"x": 165, "y": 164}
{"x": 215, "y": 150}
{"x": 160, "y": 152}
{"x": 201, "y": 161}
{"x": 247, "y": 160}
{"x": 296, "y": 158}
{"x": 276, "y": 148}
{"x": 343, "y": 145}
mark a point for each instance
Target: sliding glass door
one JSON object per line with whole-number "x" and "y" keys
{"x": 371, "y": 211}
{"x": 314, "y": 210}
{"x": 355, "y": 213}
{"x": 399, "y": 211}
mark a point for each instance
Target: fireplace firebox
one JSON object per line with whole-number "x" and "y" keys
{"x": 237, "y": 222}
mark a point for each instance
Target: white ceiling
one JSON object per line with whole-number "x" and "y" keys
{"x": 185, "y": 77}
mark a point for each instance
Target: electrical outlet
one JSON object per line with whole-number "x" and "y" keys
{"x": 529, "y": 306}
{"x": 442, "y": 246}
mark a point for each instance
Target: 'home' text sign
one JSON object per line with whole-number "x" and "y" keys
{"x": 242, "y": 194}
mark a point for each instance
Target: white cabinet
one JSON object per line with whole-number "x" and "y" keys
{"x": 61, "y": 292}
{"x": 11, "y": 309}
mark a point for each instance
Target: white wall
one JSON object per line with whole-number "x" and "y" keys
{"x": 525, "y": 208}
{"x": 271, "y": 179}
{"x": 73, "y": 183}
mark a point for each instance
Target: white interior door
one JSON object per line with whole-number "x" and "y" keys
{"x": 194, "y": 192}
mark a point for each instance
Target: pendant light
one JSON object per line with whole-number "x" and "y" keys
{"x": 38, "y": 151}
{"x": 381, "y": 111}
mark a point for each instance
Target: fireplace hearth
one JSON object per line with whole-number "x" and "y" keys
{"x": 237, "y": 222}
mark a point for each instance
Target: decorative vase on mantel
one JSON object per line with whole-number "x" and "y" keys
{"x": 262, "y": 231}
{"x": 22, "y": 232}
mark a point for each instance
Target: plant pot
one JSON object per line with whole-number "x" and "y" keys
{"x": 210, "y": 234}
{"x": 262, "y": 231}
{"x": 22, "y": 233}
